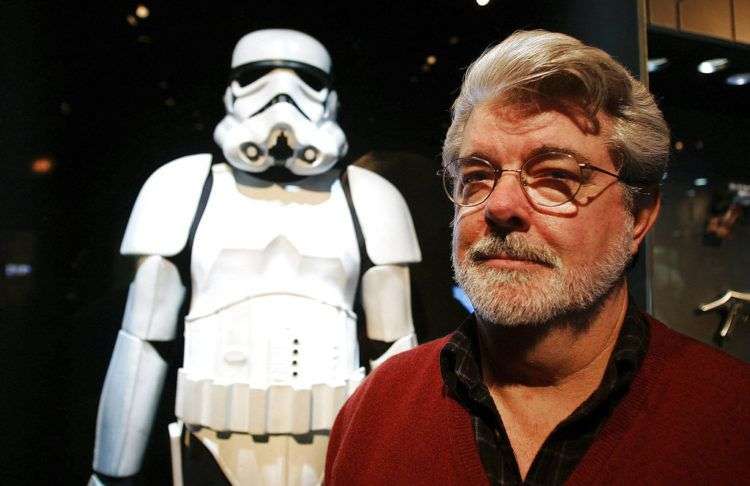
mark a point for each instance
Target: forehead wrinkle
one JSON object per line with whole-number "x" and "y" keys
{"x": 547, "y": 148}
{"x": 520, "y": 120}
{"x": 514, "y": 120}
{"x": 494, "y": 148}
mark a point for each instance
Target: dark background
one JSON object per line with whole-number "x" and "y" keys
{"x": 108, "y": 102}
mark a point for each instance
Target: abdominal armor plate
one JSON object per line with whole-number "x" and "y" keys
{"x": 270, "y": 343}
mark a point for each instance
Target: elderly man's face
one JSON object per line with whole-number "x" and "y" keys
{"x": 524, "y": 264}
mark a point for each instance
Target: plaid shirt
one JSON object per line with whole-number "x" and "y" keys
{"x": 568, "y": 442}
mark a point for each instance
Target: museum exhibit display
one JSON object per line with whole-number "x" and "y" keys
{"x": 169, "y": 176}
{"x": 275, "y": 244}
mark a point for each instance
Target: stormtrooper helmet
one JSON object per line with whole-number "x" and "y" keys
{"x": 281, "y": 109}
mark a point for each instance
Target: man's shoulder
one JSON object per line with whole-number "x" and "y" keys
{"x": 400, "y": 383}
{"x": 417, "y": 355}
{"x": 678, "y": 348}
{"x": 400, "y": 427}
{"x": 688, "y": 399}
{"x": 692, "y": 365}
{"x": 402, "y": 374}
{"x": 409, "y": 365}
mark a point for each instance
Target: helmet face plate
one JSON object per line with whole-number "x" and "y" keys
{"x": 281, "y": 110}
{"x": 279, "y": 85}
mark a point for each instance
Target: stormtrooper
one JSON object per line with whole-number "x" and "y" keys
{"x": 274, "y": 249}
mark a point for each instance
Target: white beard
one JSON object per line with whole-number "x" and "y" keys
{"x": 513, "y": 297}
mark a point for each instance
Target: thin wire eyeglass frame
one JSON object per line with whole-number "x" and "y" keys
{"x": 446, "y": 177}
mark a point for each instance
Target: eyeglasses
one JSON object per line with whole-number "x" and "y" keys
{"x": 549, "y": 179}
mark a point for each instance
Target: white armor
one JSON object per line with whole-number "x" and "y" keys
{"x": 270, "y": 340}
{"x": 271, "y": 335}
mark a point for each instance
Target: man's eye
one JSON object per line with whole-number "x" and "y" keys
{"x": 557, "y": 174}
{"x": 476, "y": 176}
{"x": 554, "y": 167}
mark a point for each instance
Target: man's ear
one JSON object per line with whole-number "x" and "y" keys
{"x": 644, "y": 217}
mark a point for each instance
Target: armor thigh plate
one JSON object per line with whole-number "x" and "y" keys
{"x": 268, "y": 364}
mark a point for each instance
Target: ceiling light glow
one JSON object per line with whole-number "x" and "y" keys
{"x": 142, "y": 11}
{"x": 42, "y": 165}
{"x": 740, "y": 79}
{"x": 17, "y": 269}
{"x": 657, "y": 64}
{"x": 482, "y": 3}
{"x": 713, "y": 65}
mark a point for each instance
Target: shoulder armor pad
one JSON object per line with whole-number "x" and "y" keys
{"x": 160, "y": 221}
{"x": 385, "y": 219}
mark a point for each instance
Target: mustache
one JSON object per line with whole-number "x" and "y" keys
{"x": 512, "y": 246}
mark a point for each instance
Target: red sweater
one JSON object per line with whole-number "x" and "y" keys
{"x": 685, "y": 420}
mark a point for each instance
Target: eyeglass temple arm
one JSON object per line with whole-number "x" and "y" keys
{"x": 599, "y": 169}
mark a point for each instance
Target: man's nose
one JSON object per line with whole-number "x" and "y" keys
{"x": 507, "y": 206}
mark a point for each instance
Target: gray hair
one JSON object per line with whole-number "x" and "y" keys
{"x": 539, "y": 68}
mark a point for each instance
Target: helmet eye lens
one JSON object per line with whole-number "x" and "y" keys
{"x": 311, "y": 80}
{"x": 251, "y": 74}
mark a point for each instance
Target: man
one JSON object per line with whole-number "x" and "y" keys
{"x": 553, "y": 161}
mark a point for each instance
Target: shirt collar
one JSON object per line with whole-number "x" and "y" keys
{"x": 461, "y": 370}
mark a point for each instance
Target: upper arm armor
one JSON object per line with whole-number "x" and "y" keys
{"x": 154, "y": 300}
{"x": 160, "y": 221}
{"x": 386, "y": 223}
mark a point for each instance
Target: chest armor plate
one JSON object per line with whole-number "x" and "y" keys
{"x": 270, "y": 339}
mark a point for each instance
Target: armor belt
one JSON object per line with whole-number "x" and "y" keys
{"x": 278, "y": 409}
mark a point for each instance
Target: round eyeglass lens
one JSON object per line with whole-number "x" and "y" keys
{"x": 468, "y": 181}
{"x": 552, "y": 179}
